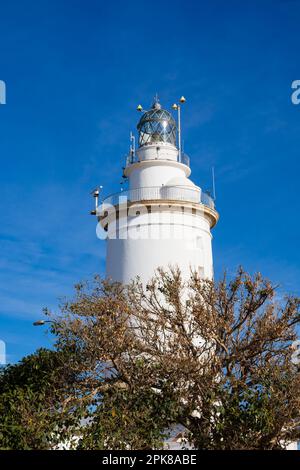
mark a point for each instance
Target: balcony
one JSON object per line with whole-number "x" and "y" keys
{"x": 133, "y": 158}
{"x": 156, "y": 193}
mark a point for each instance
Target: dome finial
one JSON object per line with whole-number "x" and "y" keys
{"x": 156, "y": 103}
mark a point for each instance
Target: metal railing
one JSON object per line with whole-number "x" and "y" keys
{"x": 172, "y": 193}
{"x": 132, "y": 158}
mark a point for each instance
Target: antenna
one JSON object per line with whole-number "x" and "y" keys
{"x": 177, "y": 107}
{"x": 213, "y": 182}
{"x": 132, "y": 147}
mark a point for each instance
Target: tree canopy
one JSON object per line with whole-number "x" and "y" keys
{"x": 131, "y": 361}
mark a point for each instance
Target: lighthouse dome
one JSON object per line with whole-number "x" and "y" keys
{"x": 157, "y": 126}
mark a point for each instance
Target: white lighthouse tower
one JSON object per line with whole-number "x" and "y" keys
{"x": 163, "y": 218}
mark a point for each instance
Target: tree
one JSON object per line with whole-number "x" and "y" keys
{"x": 214, "y": 357}
{"x": 31, "y": 393}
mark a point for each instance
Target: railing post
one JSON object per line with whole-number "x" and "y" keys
{"x": 176, "y": 193}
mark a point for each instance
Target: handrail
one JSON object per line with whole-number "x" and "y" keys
{"x": 132, "y": 158}
{"x": 173, "y": 193}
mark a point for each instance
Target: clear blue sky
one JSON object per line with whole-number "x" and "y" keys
{"x": 75, "y": 71}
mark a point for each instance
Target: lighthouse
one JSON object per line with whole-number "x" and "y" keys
{"x": 162, "y": 218}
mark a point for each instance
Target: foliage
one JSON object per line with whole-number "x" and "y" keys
{"x": 129, "y": 419}
{"x": 132, "y": 361}
{"x": 30, "y": 396}
{"x": 214, "y": 357}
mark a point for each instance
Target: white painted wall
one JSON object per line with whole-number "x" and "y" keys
{"x": 158, "y": 151}
{"x": 160, "y": 239}
{"x": 153, "y": 173}
{"x": 156, "y": 166}
{"x": 164, "y": 237}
